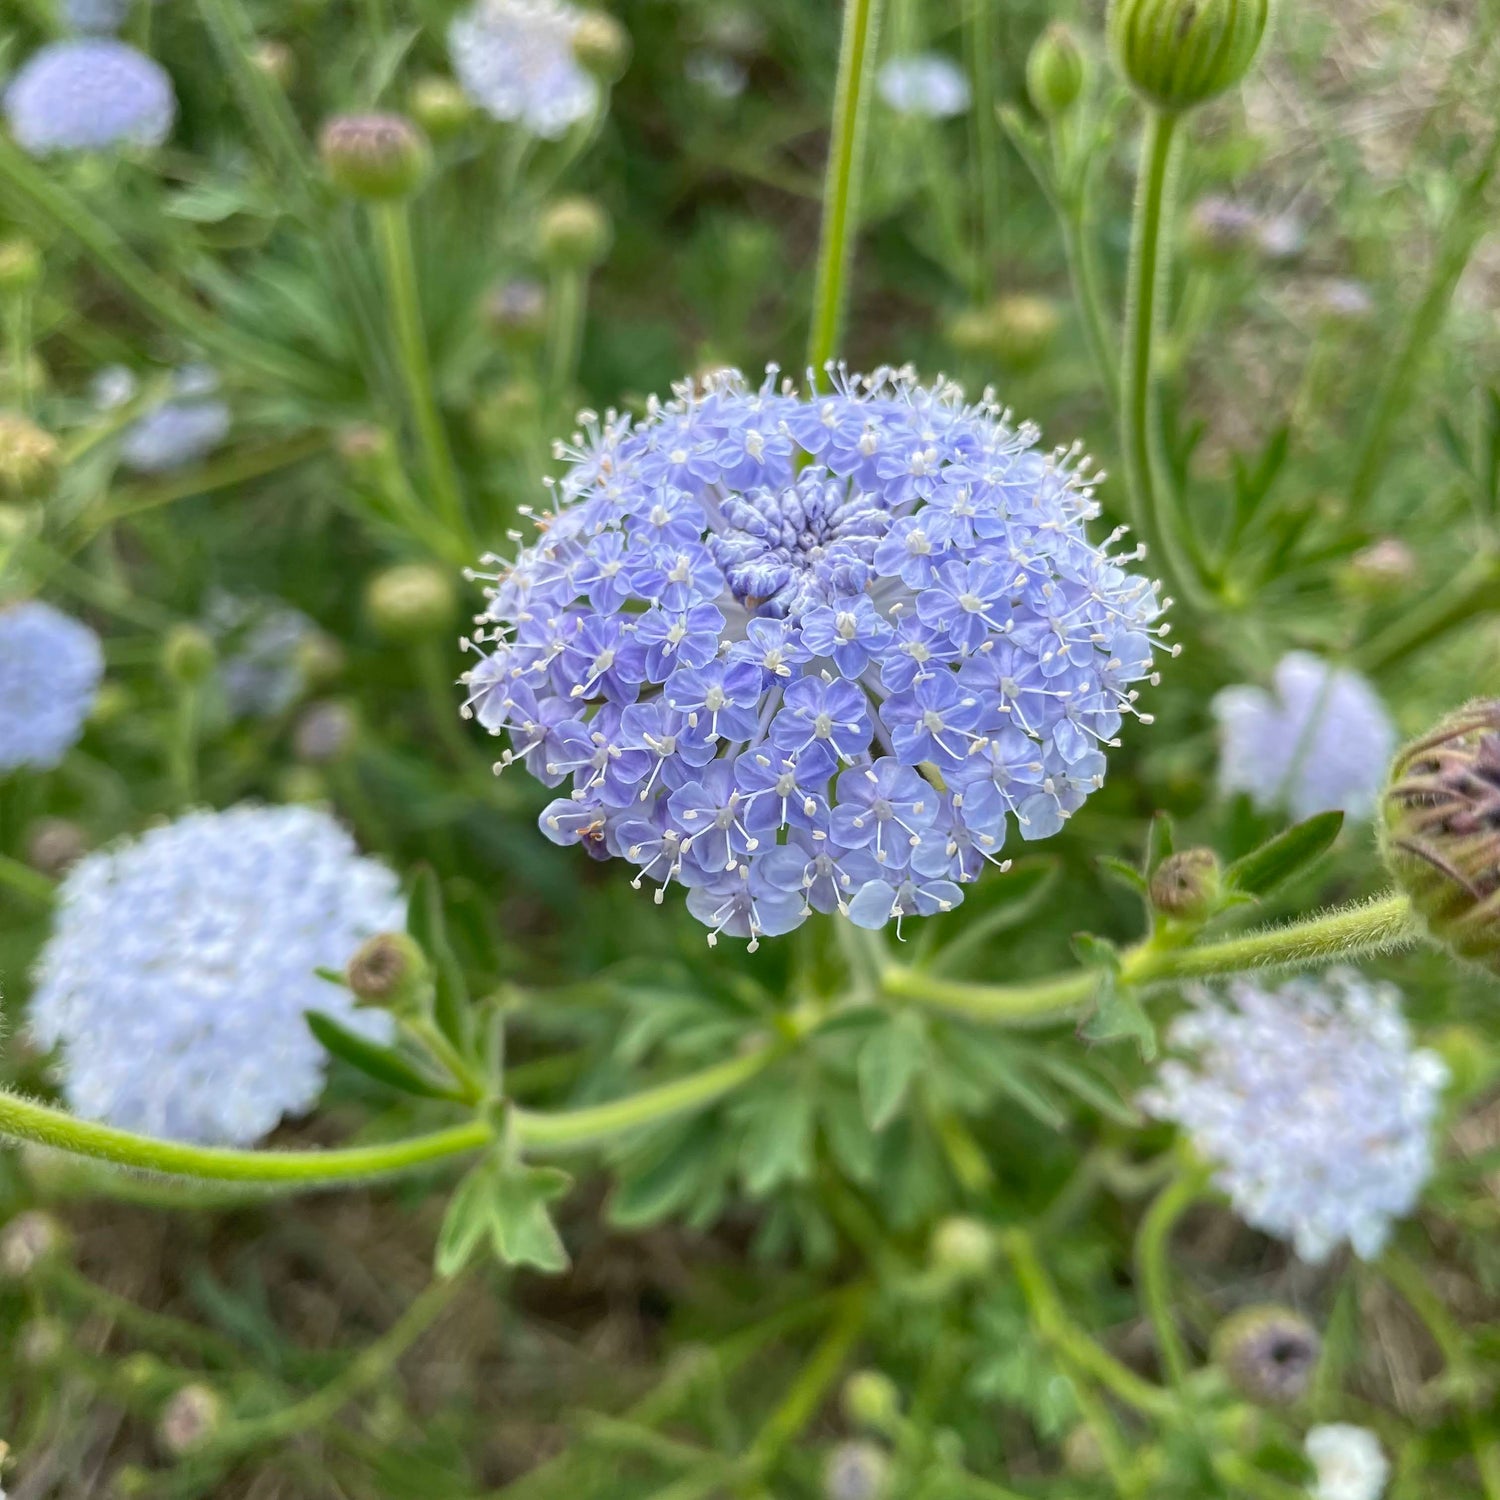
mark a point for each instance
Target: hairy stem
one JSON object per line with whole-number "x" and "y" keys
{"x": 846, "y": 160}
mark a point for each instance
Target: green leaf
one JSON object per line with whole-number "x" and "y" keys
{"x": 1118, "y": 1013}
{"x": 1161, "y": 839}
{"x": 682, "y": 1170}
{"x": 466, "y": 1221}
{"x": 521, "y": 1227}
{"x": 1096, "y": 952}
{"x": 889, "y": 1059}
{"x": 1126, "y": 874}
{"x": 775, "y": 1135}
{"x": 425, "y": 922}
{"x": 384, "y": 1064}
{"x": 1284, "y": 856}
{"x": 850, "y": 1142}
{"x": 1089, "y": 1089}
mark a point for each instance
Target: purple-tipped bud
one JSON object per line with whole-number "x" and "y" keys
{"x": 55, "y": 845}
{"x": 1268, "y": 1353}
{"x": 374, "y": 156}
{"x": 1440, "y": 830}
{"x": 857, "y": 1471}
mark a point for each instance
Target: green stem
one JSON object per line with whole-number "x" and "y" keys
{"x": 25, "y": 881}
{"x": 1151, "y": 1245}
{"x": 981, "y": 41}
{"x": 1346, "y": 932}
{"x": 1153, "y": 513}
{"x": 565, "y": 310}
{"x": 1083, "y": 272}
{"x": 18, "y": 329}
{"x": 182, "y": 756}
{"x": 598, "y": 1124}
{"x": 393, "y": 233}
{"x": 1467, "y": 224}
{"x": 846, "y": 160}
{"x": 1475, "y": 591}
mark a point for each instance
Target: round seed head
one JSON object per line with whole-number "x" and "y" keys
{"x": 1268, "y": 1353}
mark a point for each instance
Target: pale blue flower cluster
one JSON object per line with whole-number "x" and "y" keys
{"x": 925, "y": 84}
{"x": 812, "y": 652}
{"x": 514, "y": 59}
{"x": 89, "y": 94}
{"x": 182, "y": 430}
{"x": 50, "y": 666}
{"x": 181, "y": 964}
{"x": 1311, "y": 1105}
{"x": 1318, "y": 740}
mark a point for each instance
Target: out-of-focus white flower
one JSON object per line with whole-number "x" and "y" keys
{"x": 113, "y": 387}
{"x": 926, "y": 84}
{"x": 89, "y": 94}
{"x": 1349, "y": 1462}
{"x": 716, "y": 74}
{"x": 1320, "y": 739}
{"x": 515, "y": 60}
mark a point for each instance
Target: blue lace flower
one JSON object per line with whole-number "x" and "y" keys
{"x": 180, "y": 431}
{"x": 514, "y": 58}
{"x": 89, "y": 94}
{"x": 812, "y": 652}
{"x": 925, "y": 84}
{"x": 1310, "y": 1103}
{"x": 1320, "y": 739}
{"x": 181, "y": 964}
{"x": 50, "y": 668}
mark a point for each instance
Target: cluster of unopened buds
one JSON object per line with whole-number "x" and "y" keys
{"x": 806, "y": 653}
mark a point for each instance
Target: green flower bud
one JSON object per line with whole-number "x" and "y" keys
{"x": 1440, "y": 830}
{"x": 962, "y": 1248}
{"x": 1186, "y": 885}
{"x": 574, "y": 234}
{"x": 189, "y": 1420}
{"x": 439, "y": 106}
{"x": 1178, "y": 54}
{"x": 1469, "y": 1058}
{"x": 131, "y": 1480}
{"x": 304, "y": 784}
{"x": 321, "y": 659}
{"x": 28, "y": 458}
{"x": 389, "y": 969}
{"x": 1055, "y": 71}
{"x": 20, "y": 266}
{"x": 1268, "y": 1354}
{"x": 30, "y": 1240}
{"x": 601, "y": 44}
{"x": 54, "y": 846}
{"x": 411, "y": 601}
{"x": 365, "y": 448}
{"x": 870, "y": 1399}
{"x": 1082, "y": 1456}
{"x": 1015, "y": 332}
{"x": 141, "y": 1372}
{"x": 187, "y": 655}
{"x": 277, "y": 61}
{"x": 374, "y": 156}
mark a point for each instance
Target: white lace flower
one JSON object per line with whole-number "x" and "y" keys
{"x": 515, "y": 60}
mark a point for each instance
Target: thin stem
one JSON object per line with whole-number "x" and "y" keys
{"x": 1346, "y": 932}
{"x": 1083, "y": 272}
{"x": 980, "y": 36}
{"x": 565, "y": 309}
{"x": 1153, "y": 513}
{"x": 18, "y": 329}
{"x": 846, "y": 161}
{"x": 1151, "y": 1245}
{"x": 182, "y": 757}
{"x": 1467, "y": 224}
{"x": 1475, "y": 591}
{"x": 393, "y": 233}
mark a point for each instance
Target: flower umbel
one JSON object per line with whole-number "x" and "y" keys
{"x": 1311, "y": 1105}
{"x": 50, "y": 666}
{"x": 1319, "y": 739}
{"x": 181, "y": 965}
{"x": 87, "y": 95}
{"x": 812, "y": 652}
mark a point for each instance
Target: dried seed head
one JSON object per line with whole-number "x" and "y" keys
{"x": 1186, "y": 885}
{"x": 1440, "y": 830}
{"x": 1268, "y": 1353}
{"x": 389, "y": 969}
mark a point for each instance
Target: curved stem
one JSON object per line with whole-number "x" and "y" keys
{"x": 1346, "y": 932}
{"x": 1153, "y": 513}
{"x": 1151, "y": 1244}
{"x": 846, "y": 159}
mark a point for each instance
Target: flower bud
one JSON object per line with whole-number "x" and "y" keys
{"x": 1469, "y": 1058}
{"x": 411, "y": 601}
{"x": 20, "y": 266}
{"x": 856, "y": 1471}
{"x": 277, "y": 61}
{"x": 42, "y": 1343}
{"x": 1374, "y": 573}
{"x": 1440, "y": 830}
{"x": 374, "y": 156}
{"x": 141, "y": 1372}
{"x": 574, "y": 234}
{"x": 320, "y": 659}
{"x": 962, "y": 1248}
{"x": 516, "y": 311}
{"x": 1186, "y": 885}
{"x": 189, "y": 1420}
{"x": 1055, "y": 71}
{"x": 1082, "y": 1456}
{"x": 28, "y": 458}
{"x": 30, "y": 1240}
{"x": 1268, "y": 1354}
{"x": 388, "y": 969}
{"x": 870, "y": 1399}
{"x": 601, "y": 44}
{"x": 1178, "y": 54}
{"x": 54, "y": 846}
{"x": 1016, "y": 332}
{"x": 187, "y": 655}
{"x": 440, "y": 106}
{"x": 325, "y": 732}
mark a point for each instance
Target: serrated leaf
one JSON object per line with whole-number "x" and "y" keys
{"x": 888, "y": 1060}
{"x": 673, "y": 1176}
{"x": 1286, "y": 855}
{"x": 521, "y": 1226}
{"x": 850, "y": 1142}
{"x": 776, "y": 1137}
{"x": 1117, "y": 1013}
{"x": 384, "y": 1064}
{"x": 466, "y": 1221}
{"x": 1096, "y": 952}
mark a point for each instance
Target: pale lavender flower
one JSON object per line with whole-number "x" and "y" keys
{"x": 181, "y": 964}
{"x": 89, "y": 94}
{"x": 50, "y": 666}
{"x": 751, "y": 617}
{"x": 182, "y": 430}
{"x": 1320, "y": 739}
{"x": 1311, "y": 1105}
{"x": 925, "y": 84}
{"x": 514, "y": 59}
